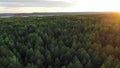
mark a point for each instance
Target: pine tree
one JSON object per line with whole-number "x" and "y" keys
{"x": 70, "y": 65}
{"x": 103, "y": 66}
{"x": 57, "y": 62}
{"x": 77, "y": 63}
{"x": 63, "y": 67}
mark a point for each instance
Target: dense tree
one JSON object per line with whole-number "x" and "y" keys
{"x": 76, "y": 41}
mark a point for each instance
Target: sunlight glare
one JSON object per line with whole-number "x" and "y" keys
{"x": 97, "y": 5}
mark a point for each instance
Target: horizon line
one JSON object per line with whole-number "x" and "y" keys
{"x": 62, "y": 12}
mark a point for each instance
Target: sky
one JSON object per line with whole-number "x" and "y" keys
{"x": 29, "y": 6}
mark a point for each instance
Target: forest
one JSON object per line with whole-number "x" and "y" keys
{"x": 68, "y": 41}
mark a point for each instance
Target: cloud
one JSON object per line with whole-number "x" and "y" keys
{"x": 35, "y": 3}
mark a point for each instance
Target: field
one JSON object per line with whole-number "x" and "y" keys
{"x": 70, "y": 41}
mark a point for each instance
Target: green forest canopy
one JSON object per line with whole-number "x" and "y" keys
{"x": 76, "y": 41}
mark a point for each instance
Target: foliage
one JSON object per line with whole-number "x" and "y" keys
{"x": 81, "y": 41}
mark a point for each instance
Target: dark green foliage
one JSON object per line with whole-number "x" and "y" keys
{"x": 86, "y": 41}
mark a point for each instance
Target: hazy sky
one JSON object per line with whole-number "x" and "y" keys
{"x": 21, "y": 6}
